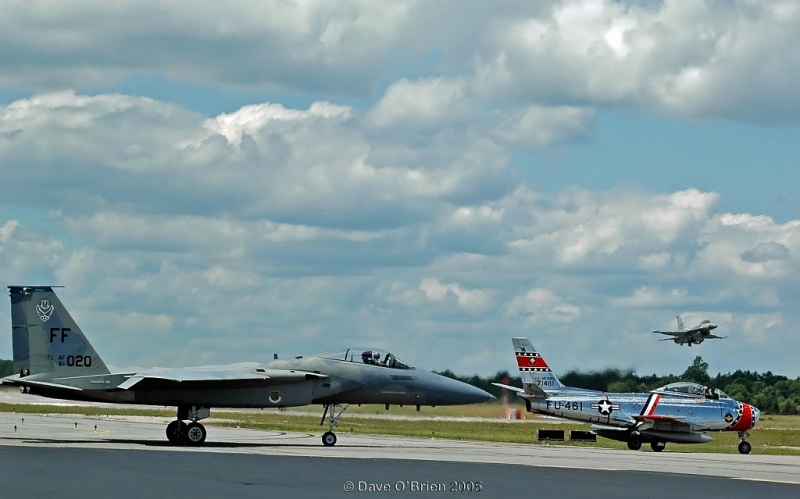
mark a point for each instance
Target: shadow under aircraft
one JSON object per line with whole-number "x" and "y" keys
{"x": 53, "y": 358}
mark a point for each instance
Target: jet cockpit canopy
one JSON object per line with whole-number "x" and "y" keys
{"x": 371, "y": 356}
{"x": 693, "y": 389}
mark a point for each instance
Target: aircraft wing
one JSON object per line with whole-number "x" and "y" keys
{"x": 654, "y": 417}
{"x": 218, "y": 378}
{"x": 672, "y": 333}
{"x": 663, "y": 423}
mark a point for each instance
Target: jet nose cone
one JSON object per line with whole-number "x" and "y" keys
{"x": 756, "y": 414}
{"x": 475, "y": 395}
{"x": 454, "y": 392}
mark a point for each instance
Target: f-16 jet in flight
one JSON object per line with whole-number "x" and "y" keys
{"x": 53, "y": 358}
{"x": 691, "y": 336}
{"x": 679, "y": 412}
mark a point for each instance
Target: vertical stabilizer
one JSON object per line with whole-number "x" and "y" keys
{"x": 536, "y": 374}
{"x": 46, "y": 340}
{"x": 680, "y": 323}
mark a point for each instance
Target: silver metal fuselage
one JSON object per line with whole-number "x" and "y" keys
{"x": 660, "y": 414}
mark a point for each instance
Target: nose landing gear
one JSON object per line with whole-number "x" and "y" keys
{"x": 744, "y": 445}
{"x": 329, "y": 437}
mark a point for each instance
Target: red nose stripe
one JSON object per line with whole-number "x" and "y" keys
{"x": 746, "y": 421}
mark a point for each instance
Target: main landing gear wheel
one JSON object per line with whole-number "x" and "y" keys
{"x": 195, "y": 434}
{"x": 175, "y": 431}
{"x": 328, "y": 439}
{"x": 657, "y": 446}
{"x": 634, "y": 443}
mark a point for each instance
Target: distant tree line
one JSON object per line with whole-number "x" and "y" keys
{"x": 771, "y": 393}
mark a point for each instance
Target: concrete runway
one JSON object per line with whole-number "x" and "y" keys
{"x": 69, "y": 446}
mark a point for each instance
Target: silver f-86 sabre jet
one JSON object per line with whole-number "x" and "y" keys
{"x": 53, "y": 358}
{"x": 679, "y": 412}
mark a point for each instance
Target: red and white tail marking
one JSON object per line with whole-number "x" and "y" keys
{"x": 531, "y": 362}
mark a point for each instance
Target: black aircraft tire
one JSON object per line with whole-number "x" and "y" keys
{"x": 195, "y": 434}
{"x": 657, "y": 446}
{"x": 634, "y": 443}
{"x": 328, "y": 439}
{"x": 175, "y": 431}
{"x": 745, "y": 447}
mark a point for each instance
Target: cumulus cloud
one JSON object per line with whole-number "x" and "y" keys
{"x": 668, "y": 56}
{"x": 765, "y": 252}
{"x": 250, "y": 119}
{"x": 647, "y": 296}
{"x": 753, "y": 247}
{"x": 470, "y": 299}
{"x": 264, "y": 160}
{"x": 204, "y": 210}
{"x": 422, "y": 104}
{"x": 373, "y": 176}
{"x": 540, "y": 126}
{"x": 542, "y": 306}
{"x": 581, "y": 228}
{"x": 672, "y": 57}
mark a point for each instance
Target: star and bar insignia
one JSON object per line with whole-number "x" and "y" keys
{"x": 605, "y": 407}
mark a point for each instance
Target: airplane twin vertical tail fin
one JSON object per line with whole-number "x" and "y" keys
{"x": 46, "y": 340}
{"x": 537, "y": 378}
{"x": 680, "y": 323}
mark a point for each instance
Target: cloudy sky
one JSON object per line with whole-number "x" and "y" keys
{"x": 217, "y": 182}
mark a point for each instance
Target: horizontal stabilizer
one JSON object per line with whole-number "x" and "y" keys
{"x": 530, "y": 391}
{"x": 17, "y": 381}
{"x": 509, "y": 387}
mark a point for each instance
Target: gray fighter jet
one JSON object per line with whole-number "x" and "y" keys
{"x": 692, "y": 336}
{"x": 53, "y": 358}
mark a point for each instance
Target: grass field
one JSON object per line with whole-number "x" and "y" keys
{"x": 481, "y": 422}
